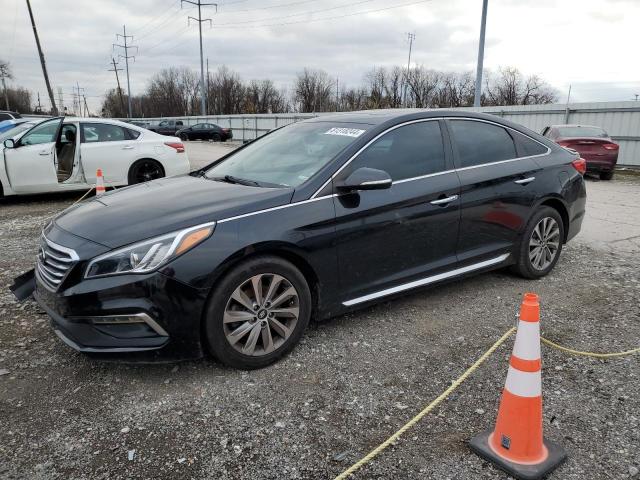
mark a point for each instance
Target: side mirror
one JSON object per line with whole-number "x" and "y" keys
{"x": 366, "y": 179}
{"x": 9, "y": 143}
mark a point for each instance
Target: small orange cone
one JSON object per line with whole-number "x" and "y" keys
{"x": 516, "y": 445}
{"x": 99, "y": 183}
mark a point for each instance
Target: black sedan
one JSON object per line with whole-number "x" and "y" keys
{"x": 310, "y": 221}
{"x": 205, "y": 131}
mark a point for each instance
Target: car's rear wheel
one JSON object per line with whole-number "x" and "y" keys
{"x": 257, "y": 313}
{"x": 216, "y": 137}
{"x": 145, "y": 170}
{"x": 184, "y": 137}
{"x": 606, "y": 175}
{"x": 541, "y": 244}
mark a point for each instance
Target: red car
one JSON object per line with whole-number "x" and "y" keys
{"x": 592, "y": 143}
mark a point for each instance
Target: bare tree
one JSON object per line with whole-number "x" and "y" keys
{"x": 5, "y": 73}
{"x": 226, "y": 92}
{"x": 313, "y": 89}
{"x": 509, "y": 87}
{"x": 261, "y": 96}
{"x": 423, "y": 85}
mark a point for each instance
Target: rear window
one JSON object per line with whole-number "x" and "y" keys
{"x": 582, "y": 132}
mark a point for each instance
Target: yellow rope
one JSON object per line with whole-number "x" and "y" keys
{"x": 588, "y": 354}
{"x": 83, "y": 196}
{"x": 376, "y": 451}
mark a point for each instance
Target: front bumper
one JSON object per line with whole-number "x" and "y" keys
{"x": 168, "y": 311}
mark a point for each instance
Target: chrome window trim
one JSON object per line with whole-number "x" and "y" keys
{"x": 279, "y": 207}
{"x": 355, "y": 155}
{"x": 426, "y": 281}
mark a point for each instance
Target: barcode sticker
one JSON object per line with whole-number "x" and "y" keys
{"x": 345, "y": 132}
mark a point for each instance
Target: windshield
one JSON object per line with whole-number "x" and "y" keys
{"x": 290, "y": 155}
{"x": 12, "y": 132}
{"x": 582, "y": 132}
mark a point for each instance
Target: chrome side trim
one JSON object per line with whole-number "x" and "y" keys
{"x": 126, "y": 318}
{"x": 421, "y": 177}
{"x": 427, "y": 280}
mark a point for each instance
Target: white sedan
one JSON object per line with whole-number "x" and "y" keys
{"x": 64, "y": 153}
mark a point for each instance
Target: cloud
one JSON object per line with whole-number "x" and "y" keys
{"x": 560, "y": 40}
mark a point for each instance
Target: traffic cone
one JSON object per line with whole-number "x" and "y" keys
{"x": 516, "y": 444}
{"x": 99, "y": 183}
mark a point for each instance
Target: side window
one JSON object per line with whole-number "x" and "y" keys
{"x": 164, "y": 123}
{"x": 131, "y": 134}
{"x": 480, "y": 142}
{"x": 179, "y": 123}
{"x": 406, "y": 152}
{"x": 102, "y": 132}
{"x": 44, "y": 133}
{"x": 527, "y": 146}
{"x": 5, "y": 116}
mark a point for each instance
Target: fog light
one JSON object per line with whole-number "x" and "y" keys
{"x": 132, "y": 318}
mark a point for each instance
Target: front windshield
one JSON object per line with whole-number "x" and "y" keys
{"x": 290, "y": 155}
{"x": 12, "y": 132}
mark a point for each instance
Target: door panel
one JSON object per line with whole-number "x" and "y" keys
{"x": 106, "y": 147}
{"x": 388, "y": 237}
{"x": 31, "y": 168}
{"x": 497, "y": 193}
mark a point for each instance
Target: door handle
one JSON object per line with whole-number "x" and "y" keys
{"x": 129, "y": 147}
{"x": 525, "y": 181}
{"x": 444, "y": 201}
{"x": 44, "y": 152}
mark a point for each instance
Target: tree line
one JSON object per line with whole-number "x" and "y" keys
{"x": 175, "y": 92}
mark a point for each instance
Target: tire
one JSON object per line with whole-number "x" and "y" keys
{"x": 529, "y": 264}
{"x": 184, "y": 137}
{"x": 145, "y": 170}
{"x": 230, "y": 342}
{"x": 216, "y": 137}
{"x": 606, "y": 175}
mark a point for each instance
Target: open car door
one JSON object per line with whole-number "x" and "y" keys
{"x": 30, "y": 164}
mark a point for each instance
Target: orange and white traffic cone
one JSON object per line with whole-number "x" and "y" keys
{"x": 516, "y": 444}
{"x": 99, "y": 183}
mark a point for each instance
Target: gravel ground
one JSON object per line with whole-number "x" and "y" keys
{"x": 351, "y": 382}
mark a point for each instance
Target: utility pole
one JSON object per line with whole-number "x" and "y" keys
{"x": 61, "y": 101}
{"x": 79, "y": 99}
{"x": 483, "y": 26}
{"x": 54, "y": 110}
{"x": 126, "y": 57}
{"x": 411, "y": 37}
{"x": 86, "y": 108}
{"x": 39, "y": 107}
{"x": 207, "y": 91}
{"x": 6, "y": 93}
{"x": 116, "y": 70}
{"x": 337, "y": 93}
{"x": 200, "y": 20}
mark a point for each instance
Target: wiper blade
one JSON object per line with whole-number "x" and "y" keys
{"x": 240, "y": 181}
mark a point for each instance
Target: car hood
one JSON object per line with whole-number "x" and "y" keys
{"x": 142, "y": 211}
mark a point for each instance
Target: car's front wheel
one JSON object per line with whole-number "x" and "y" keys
{"x": 257, "y": 313}
{"x": 541, "y": 244}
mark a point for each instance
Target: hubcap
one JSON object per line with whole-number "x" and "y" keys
{"x": 261, "y": 314}
{"x": 148, "y": 171}
{"x": 544, "y": 243}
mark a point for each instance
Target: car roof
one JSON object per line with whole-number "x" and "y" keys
{"x": 575, "y": 125}
{"x": 376, "y": 117}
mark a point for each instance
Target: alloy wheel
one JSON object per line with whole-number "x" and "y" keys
{"x": 261, "y": 314}
{"x": 544, "y": 243}
{"x": 147, "y": 170}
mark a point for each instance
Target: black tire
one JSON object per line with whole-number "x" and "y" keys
{"x": 606, "y": 175}
{"x": 524, "y": 265}
{"x": 145, "y": 170}
{"x": 215, "y": 331}
{"x": 184, "y": 137}
{"x": 216, "y": 137}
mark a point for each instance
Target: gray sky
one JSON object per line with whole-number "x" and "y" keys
{"x": 590, "y": 44}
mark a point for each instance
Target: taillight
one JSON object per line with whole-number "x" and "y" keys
{"x": 610, "y": 146}
{"x": 580, "y": 164}
{"x": 178, "y": 146}
{"x": 564, "y": 143}
{"x": 226, "y": 130}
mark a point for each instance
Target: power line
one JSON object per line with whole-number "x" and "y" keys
{"x": 126, "y": 57}
{"x": 266, "y": 8}
{"x": 153, "y": 19}
{"x": 313, "y": 20}
{"x": 200, "y": 20}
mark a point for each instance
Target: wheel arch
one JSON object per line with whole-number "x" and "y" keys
{"x": 558, "y": 204}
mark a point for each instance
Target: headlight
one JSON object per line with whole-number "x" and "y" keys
{"x": 150, "y": 254}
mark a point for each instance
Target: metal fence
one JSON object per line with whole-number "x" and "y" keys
{"x": 620, "y": 119}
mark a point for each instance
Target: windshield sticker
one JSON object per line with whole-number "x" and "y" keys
{"x": 345, "y": 132}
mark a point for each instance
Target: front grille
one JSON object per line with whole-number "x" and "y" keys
{"x": 54, "y": 262}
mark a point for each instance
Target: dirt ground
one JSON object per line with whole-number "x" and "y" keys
{"x": 350, "y": 384}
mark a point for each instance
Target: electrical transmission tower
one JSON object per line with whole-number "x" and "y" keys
{"x": 116, "y": 70}
{"x": 77, "y": 99}
{"x": 126, "y": 57}
{"x": 411, "y": 37}
{"x": 200, "y": 20}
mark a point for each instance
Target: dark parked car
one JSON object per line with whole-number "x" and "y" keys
{"x": 310, "y": 221}
{"x": 592, "y": 143}
{"x": 205, "y": 131}
{"x": 166, "y": 127}
{"x": 139, "y": 123}
{"x": 9, "y": 115}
